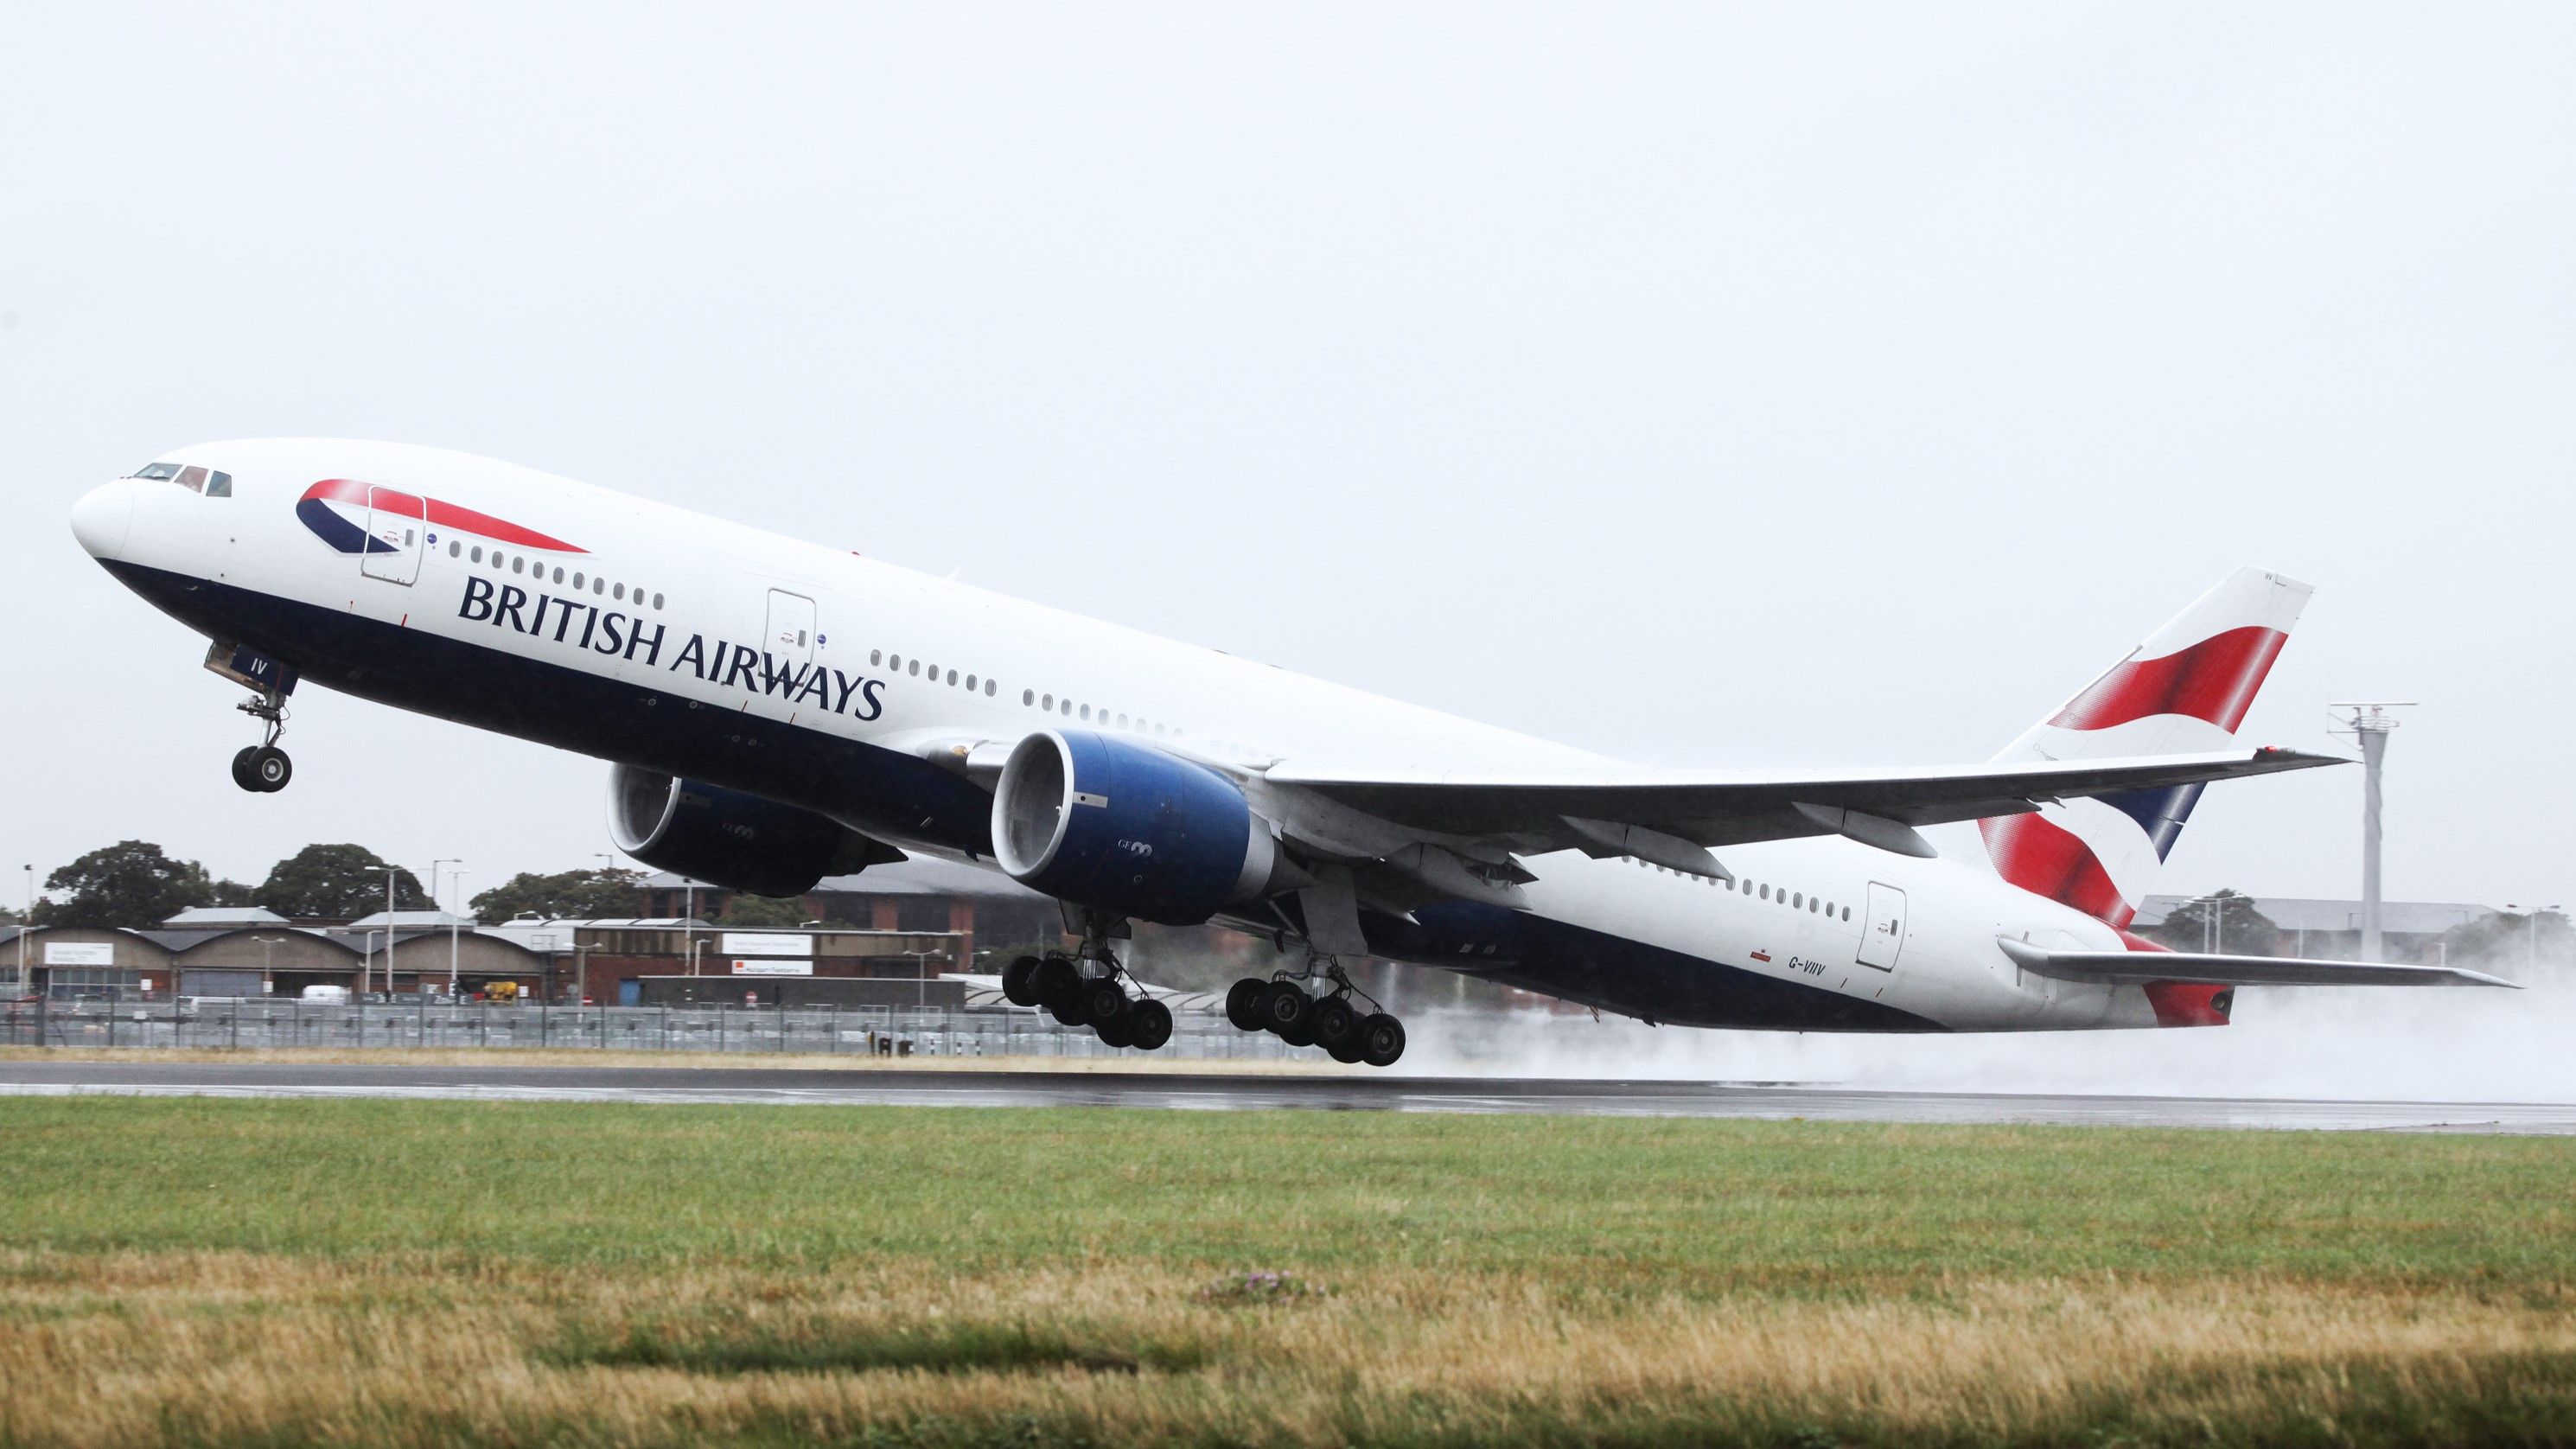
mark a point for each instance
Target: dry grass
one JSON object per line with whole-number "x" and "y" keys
{"x": 643, "y": 1277}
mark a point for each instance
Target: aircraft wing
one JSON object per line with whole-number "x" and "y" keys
{"x": 2136, "y": 968}
{"x": 1577, "y": 809}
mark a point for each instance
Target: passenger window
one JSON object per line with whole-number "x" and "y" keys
{"x": 1766, "y": 893}
{"x": 1049, "y": 704}
{"x": 599, "y": 583}
{"x": 1028, "y": 696}
{"x": 518, "y": 565}
{"x": 559, "y": 576}
{"x": 1067, "y": 708}
{"x": 1846, "y": 913}
{"x": 916, "y": 666}
{"x": 970, "y": 684}
{"x": 219, "y": 485}
{"x": 895, "y": 662}
{"x": 1796, "y": 901}
{"x": 1122, "y": 721}
{"x": 577, "y": 581}
{"x": 621, "y": 593}
{"x": 454, "y": 548}
{"x": 657, "y": 603}
{"x": 477, "y": 555}
{"x": 1086, "y": 713}
{"x": 875, "y": 657}
{"x": 952, "y": 680}
{"x": 988, "y": 686}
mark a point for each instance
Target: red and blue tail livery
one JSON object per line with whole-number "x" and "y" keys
{"x": 2186, "y": 688}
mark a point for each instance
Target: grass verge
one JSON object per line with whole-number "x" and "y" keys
{"x": 278, "y": 1273}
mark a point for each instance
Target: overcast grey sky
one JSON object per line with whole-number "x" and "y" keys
{"x": 1702, "y": 385}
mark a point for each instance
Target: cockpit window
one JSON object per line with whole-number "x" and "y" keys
{"x": 189, "y": 476}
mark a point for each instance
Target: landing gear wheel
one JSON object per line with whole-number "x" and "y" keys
{"x": 1243, "y": 1003}
{"x": 270, "y": 769}
{"x": 1149, "y": 1025}
{"x": 1286, "y": 1008}
{"x": 1020, "y": 981}
{"x": 1060, "y": 989}
{"x": 1381, "y": 1040}
{"x": 242, "y": 775}
{"x": 1336, "y": 1024}
{"x": 1102, "y": 1000}
{"x": 1117, "y": 1031}
{"x": 1347, "y": 1053}
{"x": 1303, "y": 1035}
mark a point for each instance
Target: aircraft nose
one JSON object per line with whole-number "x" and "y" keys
{"x": 101, "y": 517}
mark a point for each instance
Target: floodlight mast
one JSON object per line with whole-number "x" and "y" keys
{"x": 2369, "y": 727}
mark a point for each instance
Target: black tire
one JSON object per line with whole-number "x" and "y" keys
{"x": 1285, "y": 1007}
{"x": 1347, "y": 1053}
{"x": 1059, "y": 987}
{"x": 1381, "y": 1040}
{"x": 1117, "y": 1031}
{"x": 1103, "y": 1000}
{"x": 1020, "y": 981}
{"x": 1149, "y": 1025}
{"x": 1336, "y": 1024}
{"x": 271, "y": 768}
{"x": 242, "y": 774}
{"x": 1243, "y": 1003}
{"x": 1303, "y": 1036}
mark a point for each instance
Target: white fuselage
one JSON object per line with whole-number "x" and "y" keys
{"x": 888, "y": 668}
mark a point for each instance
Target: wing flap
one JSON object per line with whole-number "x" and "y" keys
{"x": 2137, "y": 968}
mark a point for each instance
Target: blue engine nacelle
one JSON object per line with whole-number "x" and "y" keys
{"x": 730, "y": 839}
{"x": 1122, "y": 827}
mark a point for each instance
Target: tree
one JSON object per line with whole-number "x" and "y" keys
{"x": 335, "y": 882}
{"x": 131, "y": 883}
{"x": 750, "y": 910}
{"x": 2508, "y": 944}
{"x": 581, "y": 895}
{"x": 2242, "y": 929}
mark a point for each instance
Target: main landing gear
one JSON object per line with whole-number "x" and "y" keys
{"x": 1282, "y": 1006}
{"x": 1090, "y": 988}
{"x": 263, "y": 768}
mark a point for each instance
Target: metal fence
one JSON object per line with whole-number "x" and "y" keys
{"x": 846, "y": 1031}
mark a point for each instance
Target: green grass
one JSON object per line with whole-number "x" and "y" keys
{"x": 617, "y": 1274}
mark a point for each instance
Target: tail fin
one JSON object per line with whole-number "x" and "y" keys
{"x": 2186, "y": 688}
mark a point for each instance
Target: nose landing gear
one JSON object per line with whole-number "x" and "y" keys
{"x": 263, "y": 768}
{"x": 1282, "y": 1006}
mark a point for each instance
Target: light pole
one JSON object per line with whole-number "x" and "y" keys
{"x": 26, "y": 923}
{"x": 367, "y": 962}
{"x": 2532, "y": 950}
{"x": 694, "y": 948}
{"x": 458, "y": 875}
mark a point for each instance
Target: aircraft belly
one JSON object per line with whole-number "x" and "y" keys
{"x": 871, "y": 789}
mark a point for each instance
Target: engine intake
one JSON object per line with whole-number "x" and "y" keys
{"x": 1118, "y": 826}
{"x": 726, "y": 838}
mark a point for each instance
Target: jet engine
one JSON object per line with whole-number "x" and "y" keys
{"x": 730, "y": 839}
{"x": 1117, "y": 826}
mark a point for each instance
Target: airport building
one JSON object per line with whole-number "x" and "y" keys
{"x": 2410, "y": 932}
{"x": 409, "y": 953}
{"x": 987, "y": 910}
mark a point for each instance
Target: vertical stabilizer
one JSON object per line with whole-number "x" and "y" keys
{"x": 2185, "y": 689}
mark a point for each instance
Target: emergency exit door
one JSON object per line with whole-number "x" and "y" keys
{"x": 1882, "y": 933}
{"x": 791, "y": 627}
{"x": 395, "y": 521}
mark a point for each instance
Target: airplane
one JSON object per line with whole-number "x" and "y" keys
{"x": 773, "y": 712}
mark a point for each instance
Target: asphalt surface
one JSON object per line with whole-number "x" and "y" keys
{"x": 1216, "y": 1092}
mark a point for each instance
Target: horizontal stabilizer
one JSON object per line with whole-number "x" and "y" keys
{"x": 2136, "y": 968}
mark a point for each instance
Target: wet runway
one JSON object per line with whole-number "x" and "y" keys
{"x": 1218, "y": 1092}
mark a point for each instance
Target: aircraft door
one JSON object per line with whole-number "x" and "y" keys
{"x": 1882, "y": 932}
{"x": 791, "y": 627}
{"x": 395, "y": 522}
